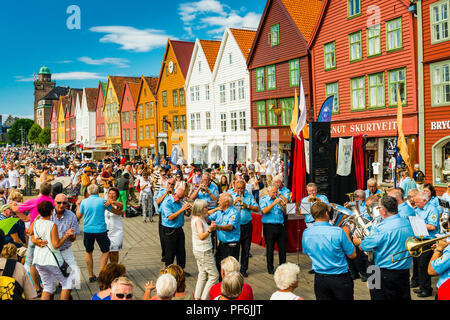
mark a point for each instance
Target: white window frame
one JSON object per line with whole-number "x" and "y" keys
{"x": 439, "y": 82}
{"x": 443, "y": 21}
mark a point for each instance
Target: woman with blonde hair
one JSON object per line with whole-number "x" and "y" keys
{"x": 202, "y": 249}
{"x": 175, "y": 270}
{"x": 286, "y": 279}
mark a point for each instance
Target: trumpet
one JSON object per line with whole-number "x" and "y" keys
{"x": 415, "y": 247}
{"x": 282, "y": 204}
{"x": 189, "y": 209}
{"x": 204, "y": 189}
{"x": 350, "y": 196}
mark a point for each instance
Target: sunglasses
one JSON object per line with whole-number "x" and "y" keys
{"x": 122, "y": 295}
{"x": 171, "y": 184}
{"x": 62, "y": 203}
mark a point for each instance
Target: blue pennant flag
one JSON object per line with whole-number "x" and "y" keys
{"x": 326, "y": 110}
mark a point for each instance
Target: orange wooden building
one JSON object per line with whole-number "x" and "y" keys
{"x": 171, "y": 98}
{"x": 146, "y": 104}
{"x": 362, "y": 53}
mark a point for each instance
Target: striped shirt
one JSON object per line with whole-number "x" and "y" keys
{"x": 157, "y": 185}
{"x": 67, "y": 221}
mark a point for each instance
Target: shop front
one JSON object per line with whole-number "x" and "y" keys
{"x": 437, "y": 135}
{"x": 381, "y": 142}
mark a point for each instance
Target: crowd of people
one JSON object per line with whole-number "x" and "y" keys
{"x": 94, "y": 196}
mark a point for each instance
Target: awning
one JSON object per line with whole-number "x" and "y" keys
{"x": 66, "y": 145}
{"x": 53, "y": 146}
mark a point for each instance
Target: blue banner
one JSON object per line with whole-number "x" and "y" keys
{"x": 326, "y": 110}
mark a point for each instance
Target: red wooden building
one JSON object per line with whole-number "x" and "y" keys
{"x": 436, "y": 97}
{"x": 278, "y": 59}
{"x": 362, "y": 52}
{"x": 128, "y": 118}
{"x": 99, "y": 115}
{"x": 54, "y": 124}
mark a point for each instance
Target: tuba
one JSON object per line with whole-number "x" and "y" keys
{"x": 415, "y": 247}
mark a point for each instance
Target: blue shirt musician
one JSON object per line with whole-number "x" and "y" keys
{"x": 273, "y": 226}
{"x": 428, "y": 212}
{"x": 245, "y": 204}
{"x": 434, "y": 200}
{"x": 311, "y": 189}
{"x": 206, "y": 191}
{"x": 404, "y": 210}
{"x": 225, "y": 219}
{"x": 173, "y": 211}
{"x": 328, "y": 247}
{"x": 372, "y": 188}
{"x": 440, "y": 263}
{"x": 386, "y": 240}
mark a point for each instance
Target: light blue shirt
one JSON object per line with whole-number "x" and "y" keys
{"x": 327, "y": 246}
{"x": 405, "y": 211}
{"x": 387, "y": 238}
{"x": 205, "y": 196}
{"x": 170, "y": 206}
{"x": 306, "y": 205}
{"x": 408, "y": 184}
{"x": 159, "y": 195}
{"x": 446, "y": 197}
{"x": 442, "y": 266}
{"x": 93, "y": 210}
{"x": 435, "y": 202}
{"x": 230, "y": 216}
{"x": 273, "y": 216}
{"x": 285, "y": 192}
{"x": 431, "y": 216}
{"x": 246, "y": 215}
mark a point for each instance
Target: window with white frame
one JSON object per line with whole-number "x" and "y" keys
{"x": 192, "y": 121}
{"x": 439, "y": 21}
{"x": 440, "y": 83}
{"x": 197, "y": 120}
{"x": 232, "y": 91}
{"x": 241, "y": 89}
{"x": 233, "y": 121}
{"x": 206, "y": 91}
{"x": 223, "y": 122}
{"x": 222, "y": 93}
{"x": 197, "y": 93}
{"x": 208, "y": 120}
{"x": 242, "y": 121}
{"x": 192, "y": 94}
{"x": 230, "y": 58}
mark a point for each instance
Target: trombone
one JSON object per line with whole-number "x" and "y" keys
{"x": 415, "y": 247}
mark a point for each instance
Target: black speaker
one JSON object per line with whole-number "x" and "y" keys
{"x": 321, "y": 156}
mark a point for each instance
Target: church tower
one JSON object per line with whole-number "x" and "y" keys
{"x": 42, "y": 86}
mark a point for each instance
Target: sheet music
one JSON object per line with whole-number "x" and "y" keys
{"x": 305, "y": 207}
{"x": 418, "y": 226}
{"x": 291, "y": 208}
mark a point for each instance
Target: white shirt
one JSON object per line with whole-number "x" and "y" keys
{"x": 376, "y": 167}
{"x": 269, "y": 167}
{"x": 284, "y": 296}
{"x": 257, "y": 166}
{"x": 13, "y": 177}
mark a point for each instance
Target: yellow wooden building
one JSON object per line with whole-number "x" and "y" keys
{"x": 111, "y": 107}
{"x": 63, "y": 103}
{"x": 146, "y": 105}
{"x": 171, "y": 99}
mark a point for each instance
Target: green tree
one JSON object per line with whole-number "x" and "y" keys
{"x": 45, "y": 136}
{"x": 19, "y": 126}
{"x": 33, "y": 134}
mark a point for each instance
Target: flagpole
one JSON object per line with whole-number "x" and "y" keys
{"x": 396, "y": 161}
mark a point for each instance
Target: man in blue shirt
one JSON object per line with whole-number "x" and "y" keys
{"x": 440, "y": 262}
{"x": 173, "y": 211}
{"x": 328, "y": 247}
{"x": 311, "y": 189}
{"x": 428, "y": 212}
{"x": 407, "y": 183}
{"x": 388, "y": 238}
{"x": 206, "y": 191}
{"x": 248, "y": 206}
{"x": 404, "y": 210}
{"x": 372, "y": 188}
{"x": 94, "y": 227}
{"x": 163, "y": 193}
{"x": 226, "y": 220}
{"x": 273, "y": 227}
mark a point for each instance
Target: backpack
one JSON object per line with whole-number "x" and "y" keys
{"x": 9, "y": 288}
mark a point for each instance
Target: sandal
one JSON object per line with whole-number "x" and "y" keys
{"x": 93, "y": 279}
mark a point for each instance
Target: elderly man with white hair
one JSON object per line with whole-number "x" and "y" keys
{"x": 286, "y": 279}
{"x": 227, "y": 222}
{"x": 122, "y": 289}
{"x": 428, "y": 212}
{"x": 94, "y": 227}
{"x": 173, "y": 210}
{"x": 404, "y": 210}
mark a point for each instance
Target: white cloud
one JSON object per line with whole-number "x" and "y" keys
{"x": 76, "y": 75}
{"x": 133, "y": 39}
{"x": 215, "y": 15}
{"x": 120, "y": 62}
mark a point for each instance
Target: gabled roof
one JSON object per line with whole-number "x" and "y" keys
{"x": 302, "y": 14}
{"x": 91, "y": 98}
{"x": 244, "y": 39}
{"x": 152, "y": 82}
{"x": 119, "y": 84}
{"x": 210, "y": 49}
{"x": 134, "y": 91}
{"x": 101, "y": 91}
{"x": 183, "y": 52}
{"x": 56, "y": 92}
{"x": 65, "y": 102}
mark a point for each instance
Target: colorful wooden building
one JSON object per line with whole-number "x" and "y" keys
{"x": 99, "y": 115}
{"x": 146, "y": 105}
{"x": 128, "y": 118}
{"x": 279, "y": 58}
{"x": 362, "y": 53}
{"x": 111, "y": 107}
{"x": 63, "y": 105}
{"x": 54, "y": 124}
{"x": 435, "y": 21}
{"x": 171, "y": 110}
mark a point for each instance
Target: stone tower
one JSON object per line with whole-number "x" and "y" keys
{"x": 42, "y": 86}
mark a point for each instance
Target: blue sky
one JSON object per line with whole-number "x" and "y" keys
{"x": 115, "y": 38}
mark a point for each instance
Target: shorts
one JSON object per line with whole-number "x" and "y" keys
{"x": 102, "y": 241}
{"x": 49, "y": 275}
